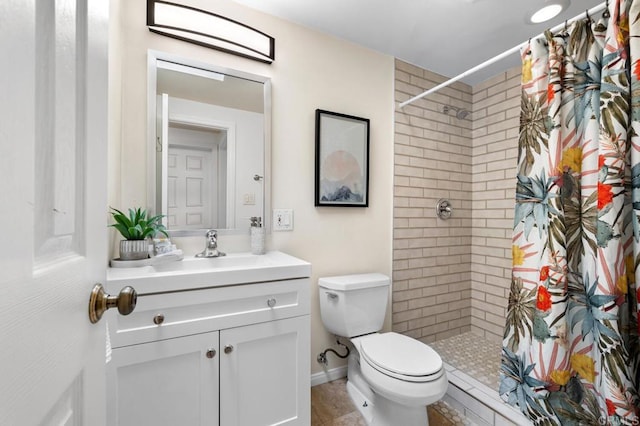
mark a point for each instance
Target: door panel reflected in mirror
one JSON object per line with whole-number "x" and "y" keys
{"x": 209, "y": 141}
{"x": 196, "y": 177}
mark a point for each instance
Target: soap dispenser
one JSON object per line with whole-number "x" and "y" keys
{"x": 257, "y": 235}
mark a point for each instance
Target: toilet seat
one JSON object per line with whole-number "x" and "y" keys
{"x": 401, "y": 357}
{"x": 401, "y": 369}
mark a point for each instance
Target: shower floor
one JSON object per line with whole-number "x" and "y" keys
{"x": 473, "y": 371}
{"x": 472, "y": 354}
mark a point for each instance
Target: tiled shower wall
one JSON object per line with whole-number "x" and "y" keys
{"x": 453, "y": 276}
{"x": 432, "y": 257}
{"x": 496, "y": 117}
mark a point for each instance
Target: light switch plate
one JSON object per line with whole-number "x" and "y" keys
{"x": 249, "y": 199}
{"x": 283, "y": 219}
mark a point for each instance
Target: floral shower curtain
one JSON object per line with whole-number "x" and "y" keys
{"x": 570, "y": 350}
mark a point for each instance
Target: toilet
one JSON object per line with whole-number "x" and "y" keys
{"x": 391, "y": 378}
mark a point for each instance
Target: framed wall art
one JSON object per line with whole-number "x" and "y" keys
{"x": 342, "y": 160}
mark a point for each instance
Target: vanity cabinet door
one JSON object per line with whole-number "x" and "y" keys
{"x": 168, "y": 382}
{"x": 264, "y": 374}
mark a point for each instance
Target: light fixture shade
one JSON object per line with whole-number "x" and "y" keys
{"x": 209, "y": 30}
{"x": 542, "y": 11}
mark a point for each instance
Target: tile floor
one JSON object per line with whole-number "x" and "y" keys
{"x": 472, "y": 354}
{"x": 331, "y": 406}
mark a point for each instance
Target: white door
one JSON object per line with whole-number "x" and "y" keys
{"x": 53, "y": 210}
{"x": 189, "y": 188}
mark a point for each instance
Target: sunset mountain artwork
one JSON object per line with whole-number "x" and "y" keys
{"x": 342, "y": 178}
{"x": 342, "y": 160}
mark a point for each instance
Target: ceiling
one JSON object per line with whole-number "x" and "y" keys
{"x": 445, "y": 36}
{"x": 232, "y": 92}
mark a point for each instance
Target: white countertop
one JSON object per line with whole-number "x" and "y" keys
{"x": 194, "y": 273}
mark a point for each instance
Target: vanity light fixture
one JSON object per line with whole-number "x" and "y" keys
{"x": 547, "y": 10}
{"x": 209, "y": 30}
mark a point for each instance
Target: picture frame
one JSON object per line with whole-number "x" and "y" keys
{"x": 342, "y": 160}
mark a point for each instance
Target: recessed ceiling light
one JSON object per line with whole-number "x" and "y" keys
{"x": 550, "y": 9}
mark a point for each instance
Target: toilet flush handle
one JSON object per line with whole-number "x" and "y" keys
{"x": 331, "y": 295}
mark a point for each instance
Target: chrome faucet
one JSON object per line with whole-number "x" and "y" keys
{"x": 211, "y": 250}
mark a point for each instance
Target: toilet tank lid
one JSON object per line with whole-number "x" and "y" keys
{"x": 354, "y": 281}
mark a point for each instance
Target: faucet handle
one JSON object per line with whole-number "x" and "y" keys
{"x": 212, "y": 239}
{"x": 211, "y": 249}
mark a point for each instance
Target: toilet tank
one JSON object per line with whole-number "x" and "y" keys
{"x": 353, "y": 305}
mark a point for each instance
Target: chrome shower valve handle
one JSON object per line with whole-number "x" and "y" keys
{"x": 444, "y": 209}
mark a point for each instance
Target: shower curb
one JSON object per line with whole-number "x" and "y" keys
{"x": 480, "y": 404}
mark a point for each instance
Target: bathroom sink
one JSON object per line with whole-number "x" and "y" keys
{"x": 243, "y": 260}
{"x": 190, "y": 273}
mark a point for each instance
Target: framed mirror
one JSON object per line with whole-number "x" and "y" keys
{"x": 209, "y": 145}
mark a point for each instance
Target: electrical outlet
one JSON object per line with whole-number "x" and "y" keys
{"x": 283, "y": 220}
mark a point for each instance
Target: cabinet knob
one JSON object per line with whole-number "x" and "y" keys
{"x": 158, "y": 319}
{"x": 271, "y": 302}
{"x": 211, "y": 353}
{"x": 228, "y": 349}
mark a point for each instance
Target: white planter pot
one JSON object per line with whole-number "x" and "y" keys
{"x": 134, "y": 249}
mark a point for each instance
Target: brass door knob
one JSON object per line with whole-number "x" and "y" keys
{"x": 228, "y": 349}
{"x": 211, "y": 353}
{"x": 100, "y": 301}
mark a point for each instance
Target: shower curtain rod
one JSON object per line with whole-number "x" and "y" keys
{"x": 502, "y": 55}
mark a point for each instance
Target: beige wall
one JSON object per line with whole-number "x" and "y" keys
{"x": 310, "y": 71}
{"x": 431, "y": 257}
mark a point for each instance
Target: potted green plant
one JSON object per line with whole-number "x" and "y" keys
{"x": 136, "y": 228}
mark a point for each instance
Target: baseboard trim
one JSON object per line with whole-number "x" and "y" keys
{"x": 328, "y": 375}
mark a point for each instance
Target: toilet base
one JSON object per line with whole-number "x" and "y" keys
{"x": 383, "y": 412}
{"x": 362, "y": 403}
{"x": 377, "y": 410}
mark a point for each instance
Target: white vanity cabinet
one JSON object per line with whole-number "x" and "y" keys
{"x": 230, "y": 354}
{"x": 168, "y": 382}
{"x": 260, "y": 378}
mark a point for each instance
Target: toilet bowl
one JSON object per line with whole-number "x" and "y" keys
{"x": 401, "y": 369}
{"x": 391, "y": 378}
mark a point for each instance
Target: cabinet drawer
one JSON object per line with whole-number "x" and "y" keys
{"x": 198, "y": 311}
